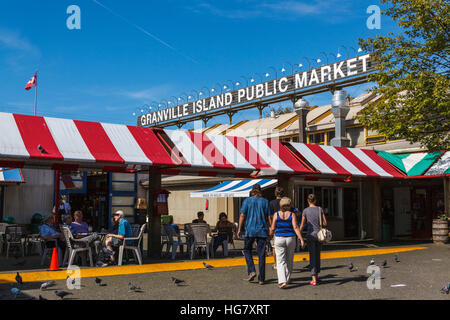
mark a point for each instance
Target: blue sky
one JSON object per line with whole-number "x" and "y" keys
{"x": 131, "y": 53}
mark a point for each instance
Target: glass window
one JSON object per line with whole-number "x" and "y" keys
{"x": 330, "y": 202}
{"x": 122, "y": 201}
{"x": 330, "y": 135}
{"x": 119, "y": 176}
{"x": 356, "y": 135}
{"x": 317, "y": 138}
{"x": 123, "y": 186}
{"x": 128, "y": 211}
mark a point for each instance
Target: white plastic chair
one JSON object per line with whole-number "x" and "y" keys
{"x": 72, "y": 250}
{"x": 34, "y": 242}
{"x": 14, "y": 238}
{"x": 136, "y": 249}
{"x": 200, "y": 233}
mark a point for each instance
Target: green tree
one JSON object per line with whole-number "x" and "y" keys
{"x": 278, "y": 111}
{"x": 412, "y": 74}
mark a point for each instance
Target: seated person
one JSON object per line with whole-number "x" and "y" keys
{"x": 79, "y": 225}
{"x": 173, "y": 225}
{"x": 200, "y": 216}
{"x": 47, "y": 232}
{"x": 224, "y": 231}
{"x": 113, "y": 241}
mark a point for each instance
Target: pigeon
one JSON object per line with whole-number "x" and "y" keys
{"x": 98, "y": 281}
{"x": 20, "y": 264}
{"x": 62, "y": 294}
{"x": 18, "y": 278}
{"x": 208, "y": 266}
{"x": 372, "y": 262}
{"x": 15, "y": 292}
{"x": 41, "y": 298}
{"x": 384, "y": 264}
{"x": 176, "y": 281}
{"x": 47, "y": 284}
{"x": 396, "y": 258}
{"x": 446, "y": 288}
{"x": 350, "y": 266}
{"x": 132, "y": 287}
{"x": 73, "y": 280}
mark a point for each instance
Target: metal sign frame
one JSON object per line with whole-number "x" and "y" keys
{"x": 321, "y": 79}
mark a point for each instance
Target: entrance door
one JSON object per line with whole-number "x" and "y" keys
{"x": 402, "y": 209}
{"x": 420, "y": 213}
{"x": 351, "y": 212}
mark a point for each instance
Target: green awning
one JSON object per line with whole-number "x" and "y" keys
{"x": 413, "y": 164}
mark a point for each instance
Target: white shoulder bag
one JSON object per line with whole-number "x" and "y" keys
{"x": 324, "y": 235}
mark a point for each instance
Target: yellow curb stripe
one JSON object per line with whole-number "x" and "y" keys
{"x": 41, "y": 276}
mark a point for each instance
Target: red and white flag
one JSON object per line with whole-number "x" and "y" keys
{"x": 31, "y": 83}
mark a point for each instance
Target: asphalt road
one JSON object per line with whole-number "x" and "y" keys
{"x": 424, "y": 272}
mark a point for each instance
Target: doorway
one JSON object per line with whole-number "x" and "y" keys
{"x": 351, "y": 212}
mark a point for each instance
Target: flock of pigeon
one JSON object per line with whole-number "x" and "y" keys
{"x": 61, "y": 294}
{"x": 134, "y": 288}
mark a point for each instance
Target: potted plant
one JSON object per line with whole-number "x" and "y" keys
{"x": 440, "y": 228}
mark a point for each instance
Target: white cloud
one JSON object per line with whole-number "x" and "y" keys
{"x": 12, "y": 40}
{"x": 285, "y": 9}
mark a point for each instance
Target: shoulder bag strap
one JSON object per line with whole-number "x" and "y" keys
{"x": 320, "y": 217}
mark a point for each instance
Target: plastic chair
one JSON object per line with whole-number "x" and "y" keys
{"x": 173, "y": 240}
{"x": 136, "y": 248}
{"x": 13, "y": 237}
{"x": 50, "y": 250}
{"x": 34, "y": 242}
{"x": 200, "y": 237}
{"x": 72, "y": 247}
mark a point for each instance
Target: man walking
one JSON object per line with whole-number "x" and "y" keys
{"x": 255, "y": 214}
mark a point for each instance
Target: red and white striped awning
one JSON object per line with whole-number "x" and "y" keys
{"x": 229, "y": 152}
{"x": 346, "y": 161}
{"x": 44, "y": 140}
{"x": 72, "y": 144}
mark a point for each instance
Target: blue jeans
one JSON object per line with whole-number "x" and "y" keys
{"x": 261, "y": 251}
{"x": 219, "y": 240}
{"x": 314, "y": 248}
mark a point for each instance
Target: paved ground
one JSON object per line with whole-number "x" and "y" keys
{"x": 424, "y": 272}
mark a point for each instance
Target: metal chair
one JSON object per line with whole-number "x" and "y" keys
{"x": 136, "y": 248}
{"x": 200, "y": 233}
{"x": 73, "y": 248}
{"x": 13, "y": 235}
{"x": 173, "y": 240}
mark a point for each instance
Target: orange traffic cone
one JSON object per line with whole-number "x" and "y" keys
{"x": 54, "y": 264}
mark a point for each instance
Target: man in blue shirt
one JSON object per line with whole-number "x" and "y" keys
{"x": 255, "y": 213}
{"x": 124, "y": 231}
{"x": 48, "y": 232}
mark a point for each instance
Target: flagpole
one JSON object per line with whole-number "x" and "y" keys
{"x": 35, "y": 94}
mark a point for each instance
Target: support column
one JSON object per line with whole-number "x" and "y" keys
{"x": 301, "y": 108}
{"x": 376, "y": 209}
{"x": 260, "y": 107}
{"x": 154, "y": 221}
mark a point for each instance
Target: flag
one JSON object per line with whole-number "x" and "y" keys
{"x": 31, "y": 83}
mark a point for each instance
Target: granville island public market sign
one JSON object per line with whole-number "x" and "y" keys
{"x": 327, "y": 73}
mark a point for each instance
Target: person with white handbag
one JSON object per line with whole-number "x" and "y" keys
{"x": 316, "y": 234}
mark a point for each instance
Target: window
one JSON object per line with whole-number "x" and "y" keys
{"x": 330, "y": 135}
{"x": 316, "y": 138}
{"x": 356, "y": 135}
{"x": 330, "y": 202}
